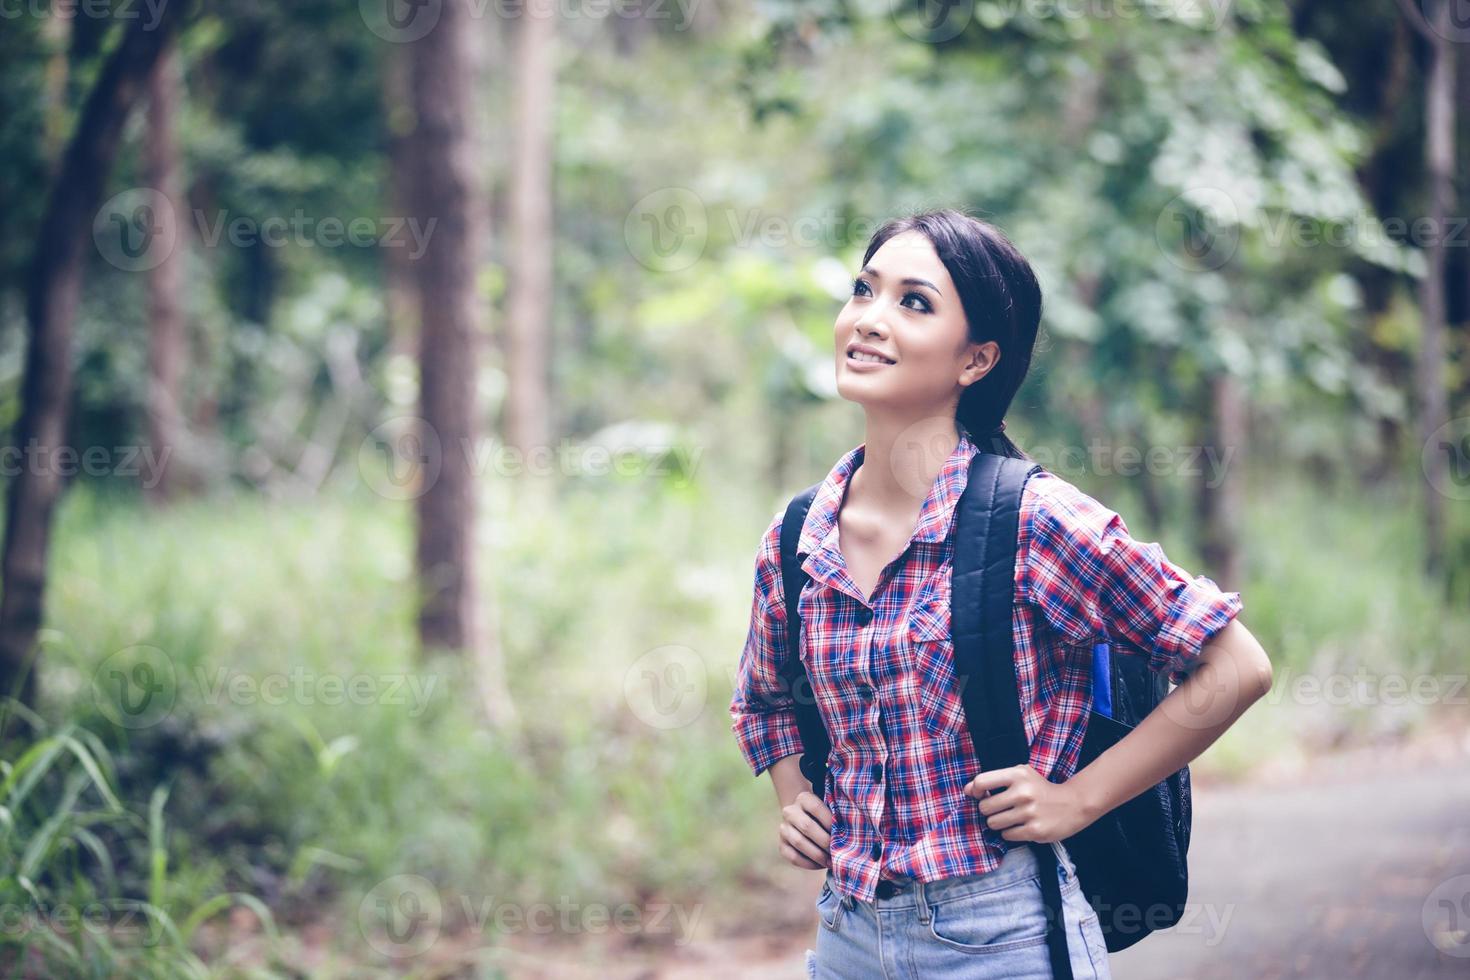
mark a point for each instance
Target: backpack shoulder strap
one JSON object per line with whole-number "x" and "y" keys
{"x": 814, "y": 739}
{"x": 981, "y": 596}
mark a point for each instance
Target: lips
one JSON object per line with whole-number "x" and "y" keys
{"x": 863, "y": 354}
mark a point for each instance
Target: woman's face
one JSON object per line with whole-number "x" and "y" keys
{"x": 904, "y": 309}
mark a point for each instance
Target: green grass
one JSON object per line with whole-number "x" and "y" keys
{"x": 314, "y": 808}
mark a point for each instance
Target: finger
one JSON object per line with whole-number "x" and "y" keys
{"x": 994, "y": 779}
{"x": 793, "y": 857}
{"x": 1017, "y": 795}
{"x": 814, "y": 831}
{"x": 812, "y": 804}
{"x": 797, "y": 858}
{"x": 798, "y": 840}
{"x": 1014, "y": 817}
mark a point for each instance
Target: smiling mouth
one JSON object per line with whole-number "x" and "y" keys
{"x": 866, "y": 358}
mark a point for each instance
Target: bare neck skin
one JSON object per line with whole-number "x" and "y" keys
{"x": 885, "y": 494}
{"x": 901, "y": 459}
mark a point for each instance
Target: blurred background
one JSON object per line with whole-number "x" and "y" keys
{"x": 394, "y": 394}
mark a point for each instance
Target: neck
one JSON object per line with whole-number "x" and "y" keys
{"x": 902, "y": 458}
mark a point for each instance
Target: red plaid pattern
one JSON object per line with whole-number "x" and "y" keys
{"x": 883, "y": 673}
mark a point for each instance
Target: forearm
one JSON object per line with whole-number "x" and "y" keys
{"x": 787, "y": 779}
{"x": 1232, "y": 674}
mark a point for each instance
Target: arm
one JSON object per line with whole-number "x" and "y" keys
{"x": 764, "y": 715}
{"x": 1090, "y": 578}
{"x": 788, "y": 781}
{"x": 763, "y": 712}
{"x": 1233, "y": 673}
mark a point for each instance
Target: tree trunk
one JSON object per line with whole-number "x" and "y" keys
{"x": 446, "y": 192}
{"x": 398, "y": 292}
{"x": 54, "y": 288}
{"x": 527, "y": 409}
{"x": 1220, "y": 505}
{"x": 1439, "y": 152}
{"x": 57, "y": 32}
{"x": 167, "y": 342}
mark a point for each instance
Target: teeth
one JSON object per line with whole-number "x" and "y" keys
{"x": 858, "y": 355}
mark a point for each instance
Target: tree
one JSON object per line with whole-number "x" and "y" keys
{"x": 1439, "y": 158}
{"x": 54, "y": 289}
{"x": 446, "y": 192}
{"x": 527, "y": 421}
{"x": 398, "y": 293}
{"x": 167, "y": 347}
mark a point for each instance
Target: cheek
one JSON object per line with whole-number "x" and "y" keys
{"x": 929, "y": 366}
{"x": 842, "y": 329}
{"x": 926, "y": 353}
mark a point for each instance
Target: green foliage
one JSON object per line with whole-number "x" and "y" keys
{"x": 73, "y": 906}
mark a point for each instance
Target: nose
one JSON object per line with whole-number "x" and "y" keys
{"x": 871, "y": 322}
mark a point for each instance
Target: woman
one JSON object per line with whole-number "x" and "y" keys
{"x": 924, "y": 877}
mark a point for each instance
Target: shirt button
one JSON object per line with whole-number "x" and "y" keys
{"x": 877, "y": 851}
{"x": 866, "y": 690}
{"x": 877, "y": 772}
{"x": 865, "y": 616}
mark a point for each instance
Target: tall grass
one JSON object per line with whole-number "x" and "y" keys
{"x": 68, "y": 849}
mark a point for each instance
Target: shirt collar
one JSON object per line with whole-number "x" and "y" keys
{"x": 934, "y": 516}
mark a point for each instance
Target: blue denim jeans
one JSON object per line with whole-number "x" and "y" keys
{"x": 972, "y": 926}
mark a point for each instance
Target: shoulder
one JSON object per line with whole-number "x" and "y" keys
{"x": 1066, "y": 537}
{"x": 1052, "y": 507}
{"x": 768, "y": 587}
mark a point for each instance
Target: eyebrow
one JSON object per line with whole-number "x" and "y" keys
{"x": 910, "y": 281}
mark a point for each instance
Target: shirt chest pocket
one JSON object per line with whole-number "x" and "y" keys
{"x": 930, "y": 649}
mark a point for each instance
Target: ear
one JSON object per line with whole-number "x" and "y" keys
{"x": 982, "y": 359}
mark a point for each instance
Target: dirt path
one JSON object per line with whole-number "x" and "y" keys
{"x": 1332, "y": 874}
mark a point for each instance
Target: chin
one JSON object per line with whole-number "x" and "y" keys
{"x": 853, "y": 388}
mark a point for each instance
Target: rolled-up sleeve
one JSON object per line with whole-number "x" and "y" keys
{"x": 1092, "y": 580}
{"x": 763, "y": 710}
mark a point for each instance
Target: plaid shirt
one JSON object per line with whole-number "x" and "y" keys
{"x": 884, "y": 674}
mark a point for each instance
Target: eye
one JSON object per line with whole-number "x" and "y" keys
{"x": 858, "y": 287}
{"x": 925, "y": 308}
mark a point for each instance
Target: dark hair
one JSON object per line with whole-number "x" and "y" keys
{"x": 1002, "y": 302}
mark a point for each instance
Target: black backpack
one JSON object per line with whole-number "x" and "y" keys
{"x": 1131, "y": 861}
